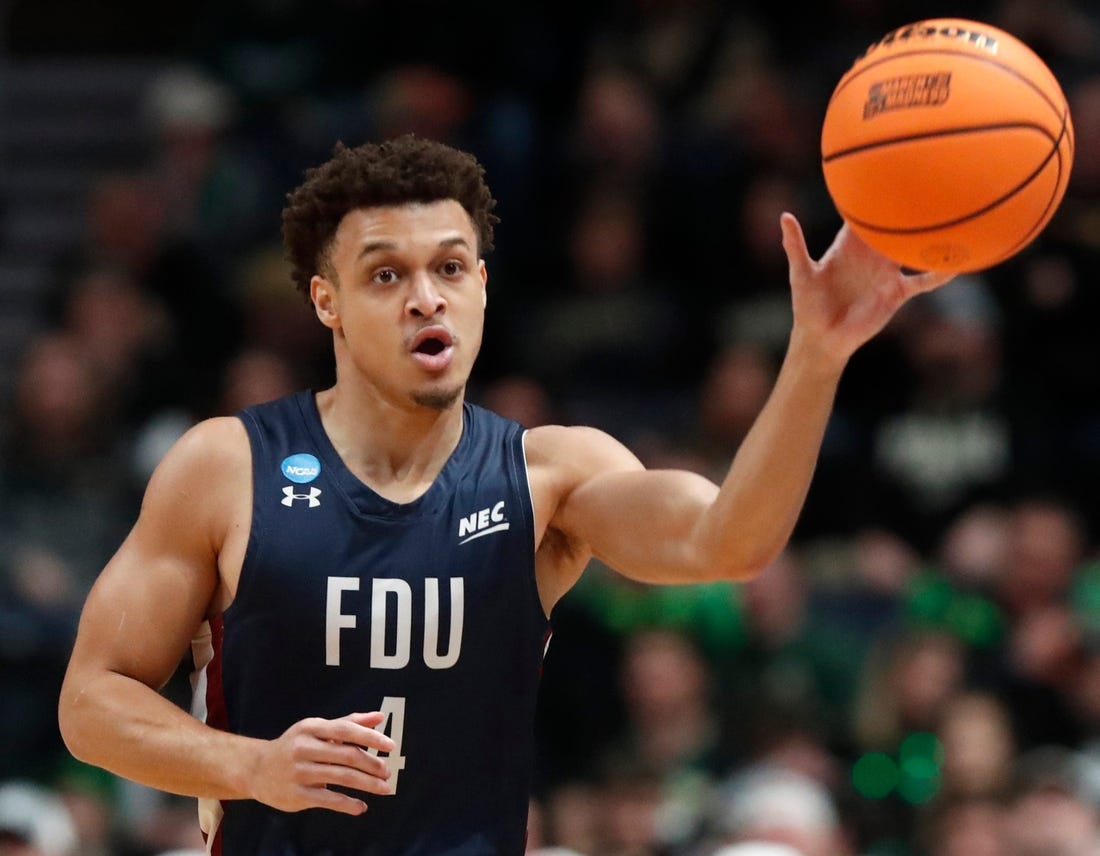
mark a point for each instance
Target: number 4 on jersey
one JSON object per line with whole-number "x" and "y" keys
{"x": 393, "y": 726}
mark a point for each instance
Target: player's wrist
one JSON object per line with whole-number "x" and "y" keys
{"x": 242, "y": 768}
{"x": 816, "y": 354}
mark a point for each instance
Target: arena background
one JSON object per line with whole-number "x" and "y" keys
{"x": 918, "y": 674}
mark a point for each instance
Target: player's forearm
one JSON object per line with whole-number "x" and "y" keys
{"x": 118, "y": 723}
{"x": 762, "y": 496}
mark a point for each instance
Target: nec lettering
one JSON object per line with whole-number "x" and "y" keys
{"x": 392, "y": 606}
{"x": 482, "y": 523}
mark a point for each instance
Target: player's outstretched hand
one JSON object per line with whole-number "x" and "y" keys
{"x": 293, "y": 772}
{"x": 850, "y": 293}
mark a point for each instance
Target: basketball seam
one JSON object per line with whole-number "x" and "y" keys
{"x": 1044, "y": 218}
{"x": 943, "y": 132}
{"x": 913, "y": 230}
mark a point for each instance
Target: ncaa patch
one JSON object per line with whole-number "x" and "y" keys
{"x": 301, "y": 468}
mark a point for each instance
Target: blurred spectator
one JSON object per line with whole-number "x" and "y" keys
{"x": 766, "y": 804}
{"x": 424, "y": 100}
{"x": 1047, "y": 542}
{"x": 128, "y": 231}
{"x": 1059, "y": 30}
{"x": 126, "y": 334}
{"x": 1050, "y": 811}
{"x": 276, "y": 318}
{"x": 34, "y": 818}
{"x": 668, "y": 688}
{"x": 213, "y": 196}
{"x": 906, "y": 684}
{"x": 1038, "y": 662}
{"x": 976, "y": 758}
{"x": 65, "y": 492}
{"x": 631, "y": 796}
{"x": 572, "y": 816}
{"x": 734, "y": 388}
{"x": 522, "y": 398}
{"x": 956, "y": 590}
{"x": 757, "y": 848}
{"x": 609, "y": 330}
{"x": 672, "y": 737}
{"x": 952, "y": 440}
{"x": 979, "y": 747}
{"x": 799, "y": 666}
{"x": 965, "y": 827}
{"x": 616, "y": 133}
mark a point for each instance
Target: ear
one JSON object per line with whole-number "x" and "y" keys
{"x": 326, "y": 301}
{"x": 484, "y": 272}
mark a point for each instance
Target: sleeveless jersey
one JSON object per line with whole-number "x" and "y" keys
{"x": 427, "y": 611}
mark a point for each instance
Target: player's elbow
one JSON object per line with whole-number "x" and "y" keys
{"x": 735, "y": 565}
{"x": 68, "y": 723}
{"x": 739, "y": 571}
{"x": 73, "y": 722}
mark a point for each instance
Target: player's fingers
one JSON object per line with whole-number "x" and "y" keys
{"x": 350, "y": 755}
{"x": 345, "y": 730}
{"x": 322, "y": 797}
{"x": 369, "y": 720}
{"x": 922, "y": 282}
{"x": 794, "y": 245}
{"x": 334, "y": 774}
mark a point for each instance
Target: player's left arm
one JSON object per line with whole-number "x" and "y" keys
{"x": 673, "y": 526}
{"x": 677, "y": 527}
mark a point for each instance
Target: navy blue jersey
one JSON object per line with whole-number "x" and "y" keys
{"x": 427, "y": 611}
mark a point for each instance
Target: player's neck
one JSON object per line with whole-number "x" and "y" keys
{"x": 396, "y": 450}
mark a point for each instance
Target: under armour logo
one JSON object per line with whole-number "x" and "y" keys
{"x": 311, "y": 497}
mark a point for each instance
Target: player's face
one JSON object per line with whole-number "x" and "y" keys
{"x": 407, "y": 308}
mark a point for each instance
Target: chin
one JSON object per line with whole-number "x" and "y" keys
{"x": 437, "y": 399}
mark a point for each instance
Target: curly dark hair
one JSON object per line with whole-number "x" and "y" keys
{"x": 404, "y": 169}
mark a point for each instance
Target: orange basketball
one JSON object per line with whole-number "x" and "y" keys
{"x": 948, "y": 145}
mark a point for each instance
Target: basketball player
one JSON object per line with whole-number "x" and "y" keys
{"x": 364, "y": 573}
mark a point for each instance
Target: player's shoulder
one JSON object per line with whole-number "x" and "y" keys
{"x": 202, "y": 481}
{"x": 578, "y": 449}
{"x": 217, "y": 445}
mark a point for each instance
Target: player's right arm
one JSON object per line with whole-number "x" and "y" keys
{"x": 177, "y": 567}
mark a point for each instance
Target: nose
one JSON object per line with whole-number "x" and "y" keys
{"x": 425, "y": 299}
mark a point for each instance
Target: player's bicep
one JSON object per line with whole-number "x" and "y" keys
{"x": 641, "y": 523}
{"x": 638, "y": 521}
{"x": 144, "y": 608}
{"x": 142, "y": 613}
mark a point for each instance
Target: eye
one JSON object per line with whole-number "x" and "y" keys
{"x": 452, "y": 267}
{"x": 385, "y": 276}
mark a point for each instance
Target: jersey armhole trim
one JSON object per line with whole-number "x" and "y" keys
{"x": 530, "y": 493}
{"x": 256, "y": 447}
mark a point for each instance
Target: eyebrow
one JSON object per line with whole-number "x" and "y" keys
{"x": 379, "y": 246}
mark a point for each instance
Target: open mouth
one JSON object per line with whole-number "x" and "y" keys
{"x": 432, "y": 340}
{"x": 431, "y": 347}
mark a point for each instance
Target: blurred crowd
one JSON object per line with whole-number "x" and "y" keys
{"x": 917, "y": 675}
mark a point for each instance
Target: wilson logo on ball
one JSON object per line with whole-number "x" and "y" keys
{"x": 971, "y": 33}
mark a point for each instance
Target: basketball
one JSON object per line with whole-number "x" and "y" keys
{"x": 947, "y": 146}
